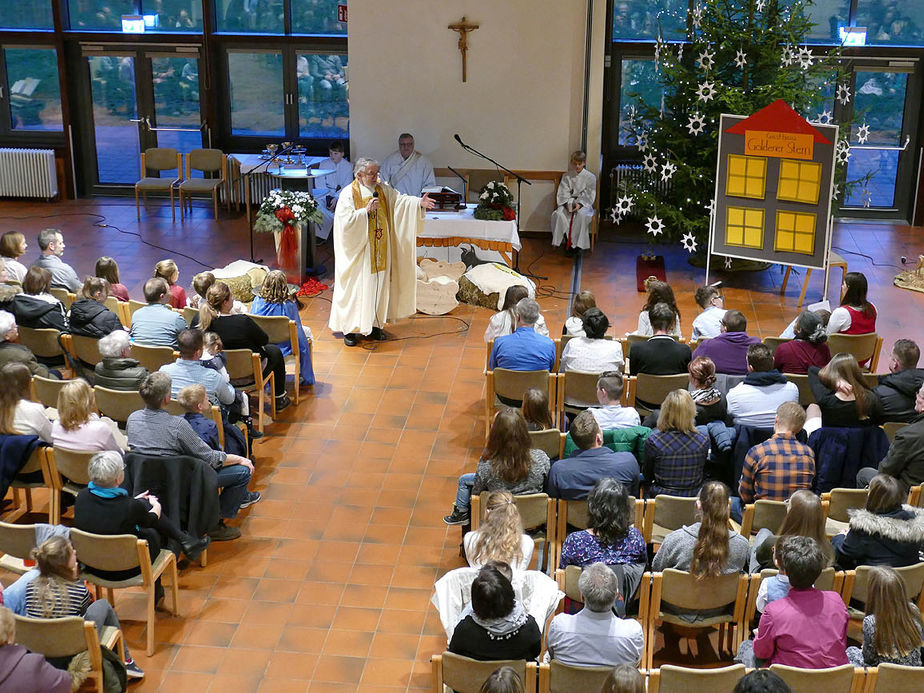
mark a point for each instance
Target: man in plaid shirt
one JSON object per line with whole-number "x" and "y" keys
{"x": 776, "y": 468}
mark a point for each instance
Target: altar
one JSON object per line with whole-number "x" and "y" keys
{"x": 442, "y": 229}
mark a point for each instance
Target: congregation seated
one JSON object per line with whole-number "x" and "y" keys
{"x": 195, "y": 401}
{"x": 28, "y": 417}
{"x": 499, "y": 627}
{"x": 842, "y": 397}
{"x": 78, "y": 426}
{"x": 35, "y": 307}
{"x": 275, "y": 298}
{"x": 500, "y": 537}
{"x": 118, "y": 370}
{"x": 808, "y": 348}
{"x": 525, "y": 349}
{"x": 729, "y": 349}
{"x": 535, "y": 410}
{"x": 596, "y": 636}
{"x": 855, "y": 315}
{"x": 610, "y": 537}
{"x": 711, "y": 404}
{"x": 572, "y": 478}
{"x": 755, "y": 401}
{"x": 504, "y": 321}
{"x": 200, "y": 284}
{"x": 12, "y": 247}
{"x": 89, "y": 315}
{"x": 574, "y": 324}
{"x": 152, "y": 431}
{"x": 625, "y": 678}
{"x": 884, "y": 531}
{"x": 156, "y": 324}
{"x": 108, "y": 269}
{"x": 662, "y": 354}
{"x": 611, "y": 414}
{"x": 10, "y": 352}
{"x": 104, "y": 507}
{"x": 708, "y": 324}
{"x": 8, "y": 290}
{"x": 592, "y": 353}
{"x": 63, "y": 276}
{"x": 189, "y": 370}
{"x": 658, "y": 292}
{"x": 805, "y": 516}
{"x": 897, "y": 389}
{"x": 905, "y": 459}
{"x": 23, "y": 671}
{"x": 675, "y": 452}
{"x": 170, "y": 273}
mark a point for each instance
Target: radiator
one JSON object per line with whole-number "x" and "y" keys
{"x": 28, "y": 173}
{"x": 626, "y": 173}
{"x": 260, "y": 184}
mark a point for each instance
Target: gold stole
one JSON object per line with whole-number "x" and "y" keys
{"x": 377, "y": 225}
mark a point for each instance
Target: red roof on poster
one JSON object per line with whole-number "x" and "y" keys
{"x": 778, "y": 117}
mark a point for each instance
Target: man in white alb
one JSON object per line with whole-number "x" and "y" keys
{"x": 574, "y": 213}
{"x": 328, "y": 187}
{"x": 375, "y": 253}
{"x": 406, "y": 170}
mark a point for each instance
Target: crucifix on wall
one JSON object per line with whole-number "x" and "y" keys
{"x": 463, "y": 28}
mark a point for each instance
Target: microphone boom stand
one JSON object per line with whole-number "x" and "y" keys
{"x": 256, "y": 169}
{"x": 520, "y": 180}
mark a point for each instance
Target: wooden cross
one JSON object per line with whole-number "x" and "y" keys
{"x": 463, "y": 28}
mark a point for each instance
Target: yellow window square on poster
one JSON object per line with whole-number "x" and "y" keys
{"x": 795, "y": 232}
{"x": 744, "y": 227}
{"x": 799, "y": 181}
{"x": 747, "y": 176}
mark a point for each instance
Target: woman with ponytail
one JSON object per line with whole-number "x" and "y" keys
{"x": 501, "y": 536}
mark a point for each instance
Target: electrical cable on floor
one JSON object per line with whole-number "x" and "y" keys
{"x": 871, "y": 260}
{"x": 466, "y": 325}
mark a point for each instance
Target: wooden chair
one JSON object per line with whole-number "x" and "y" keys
{"x": 888, "y": 678}
{"x": 43, "y": 342}
{"x": 246, "y": 374}
{"x": 653, "y": 389}
{"x": 671, "y": 679}
{"x": 67, "y": 471}
{"x": 153, "y": 357}
{"x": 465, "y": 675}
{"x": 915, "y": 496}
{"x": 829, "y": 579}
{"x": 16, "y": 543}
{"x": 537, "y": 512}
{"x": 66, "y": 297}
{"x": 551, "y": 441}
{"x": 117, "y": 404}
{"x": 842, "y": 679}
{"x": 856, "y": 583}
{"x": 210, "y": 161}
{"x": 85, "y": 349}
{"x": 579, "y": 387}
{"x": 158, "y": 159}
{"x": 689, "y": 593}
{"x": 762, "y": 513}
{"x": 862, "y": 346}
{"x": 120, "y": 308}
{"x": 35, "y": 463}
{"x": 134, "y": 305}
{"x": 556, "y": 677}
{"x": 806, "y": 396}
{"x": 834, "y": 260}
{"x": 773, "y": 342}
{"x": 512, "y": 385}
{"x": 840, "y": 501}
{"x": 65, "y": 637}
{"x": 281, "y": 329}
{"x": 891, "y": 428}
{"x": 664, "y": 514}
{"x": 45, "y": 390}
{"x": 189, "y": 314}
{"x": 127, "y": 552}
{"x": 573, "y": 513}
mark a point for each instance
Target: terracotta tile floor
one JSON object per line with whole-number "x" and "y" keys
{"x": 328, "y": 590}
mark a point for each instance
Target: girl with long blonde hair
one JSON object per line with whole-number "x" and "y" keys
{"x": 276, "y": 298}
{"x": 79, "y": 427}
{"x": 501, "y": 536}
{"x": 893, "y": 630}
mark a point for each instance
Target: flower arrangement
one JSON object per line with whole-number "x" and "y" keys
{"x": 283, "y": 208}
{"x": 495, "y": 202}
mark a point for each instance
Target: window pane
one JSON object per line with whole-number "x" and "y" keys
{"x": 176, "y": 102}
{"x": 15, "y": 14}
{"x": 256, "y": 93}
{"x": 638, "y": 19}
{"x": 317, "y": 17}
{"x": 113, "y": 90}
{"x": 104, "y": 15}
{"x": 323, "y": 110}
{"x": 892, "y": 21}
{"x": 175, "y": 15}
{"x": 35, "y": 94}
{"x": 250, "y": 16}
{"x": 827, "y": 15}
{"x": 640, "y": 84}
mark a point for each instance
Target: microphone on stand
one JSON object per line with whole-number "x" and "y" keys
{"x": 458, "y": 139}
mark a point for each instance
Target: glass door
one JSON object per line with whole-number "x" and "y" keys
{"x": 116, "y": 127}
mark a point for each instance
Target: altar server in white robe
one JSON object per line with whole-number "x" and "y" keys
{"x": 574, "y": 214}
{"x": 406, "y": 170}
{"x": 327, "y": 188}
{"x": 375, "y": 255}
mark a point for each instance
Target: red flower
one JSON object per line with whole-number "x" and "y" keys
{"x": 285, "y": 215}
{"x": 509, "y": 214}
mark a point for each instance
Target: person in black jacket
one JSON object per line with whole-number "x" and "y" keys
{"x": 897, "y": 389}
{"x": 885, "y": 532}
{"x": 661, "y": 354}
{"x": 117, "y": 370}
{"x": 89, "y": 316}
{"x": 35, "y": 307}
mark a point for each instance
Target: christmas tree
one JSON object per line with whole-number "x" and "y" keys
{"x": 738, "y": 57}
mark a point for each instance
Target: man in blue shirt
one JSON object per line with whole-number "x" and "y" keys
{"x": 188, "y": 370}
{"x": 156, "y": 324}
{"x": 525, "y": 349}
{"x": 573, "y": 477}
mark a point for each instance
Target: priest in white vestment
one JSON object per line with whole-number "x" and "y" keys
{"x": 327, "y": 188}
{"x": 406, "y": 170}
{"x": 375, "y": 255}
{"x": 574, "y": 212}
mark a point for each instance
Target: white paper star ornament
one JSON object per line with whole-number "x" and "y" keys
{"x": 650, "y": 163}
{"x": 655, "y": 226}
{"x": 863, "y": 133}
{"x": 689, "y": 242}
{"x": 706, "y": 92}
{"x": 741, "y": 58}
{"x": 843, "y": 94}
{"x": 623, "y": 205}
{"x": 667, "y": 171}
{"x": 705, "y": 61}
{"x": 825, "y": 117}
{"x": 728, "y": 263}
{"x": 695, "y": 123}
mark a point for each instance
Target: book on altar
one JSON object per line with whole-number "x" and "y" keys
{"x": 438, "y": 189}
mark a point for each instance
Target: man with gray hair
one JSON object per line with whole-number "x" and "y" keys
{"x": 596, "y": 636}
{"x": 525, "y": 349}
{"x": 118, "y": 370}
{"x": 63, "y": 276}
{"x": 407, "y": 170}
{"x": 375, "y": 255}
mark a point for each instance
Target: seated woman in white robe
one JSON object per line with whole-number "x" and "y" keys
{"x": 504, "y": 321}
{"x": 327, "y": 188}
{"x": 574, "y": 212}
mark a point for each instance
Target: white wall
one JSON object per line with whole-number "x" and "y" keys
{"x": 522, "y": 103}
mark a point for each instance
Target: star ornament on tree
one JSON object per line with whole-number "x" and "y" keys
{"x": 623, "y": 205}
{"x": 650, "y": 163}
{"x": 697, "y": 16}
{"x": 696, "y": 123}
{"x": 710, "y": 207}
{"x": 863, "y": 133}
{"x": 843, "y": 94}
{"x": 837, "y": 192}
{"x": 787, "y": 56}
{"x": 825, "y": 117}
{"x": 805, "y": 58}
{"x": 741, "y": 58}
{"x": 655, "y": 226}
{"x": 689, "y": 242}
{"x": 706, "y": 92}
{"x": 842, "y": 153}
{"x": 705, "y": 61}
{"x": 614, "y": 216}
{"x": 760, "y": 5}
{"x": 641, "y": 141}
{"x": 667, "y": 171}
